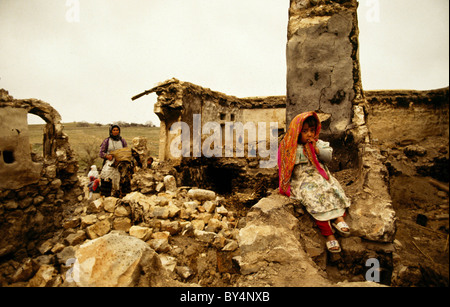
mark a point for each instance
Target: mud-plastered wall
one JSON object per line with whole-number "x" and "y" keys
{"x": 323, "y": 73}
{"x": 32, "y": 193}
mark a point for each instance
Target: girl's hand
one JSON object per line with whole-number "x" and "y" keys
{"x": 314, "y": 143}
{"x": 109, "y": 157}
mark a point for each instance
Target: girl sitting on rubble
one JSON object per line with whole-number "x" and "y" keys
{"x": 303, "y": 176}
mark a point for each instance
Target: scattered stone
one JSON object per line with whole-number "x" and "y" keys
{"x": 173, "y": 227}
{"x": 173, "y": 210}
{"x": 191, "y": 205}
{"x": 184, "y": 271}
{"x": 96, "y": 205}
{"x": 76, "y": 238}
{"x": 122, "y": 223}
{"x": 109, "y": 203}
{"x": 168, "y": 262}
{"x": 414, "y": 150}
{"x": 205, "y": 236}
{"x": 222, "y": 210}
{"x": 43, "y": 276}
{"x": 73, "y": 222}
{"x": 170, "y": 183}
{"x": 198, "y": 224}
{"x": 88, "y": 220}
{"x": 160, "y": 245}
{"x": 214, "y": 225}
{"x": 201, "y": 194}
{"x": 58, "y": 247}
{"x": 230, "y": 246}
{"x": 161, "y": 212}
{"x": 188, "y": 229}
{"x": 66, "y": 254}
{"x": 55, "y": 184}
{"x": 98, "y": 229}
{"x": 122, "y": 211}
{"x": 209, "y": 206}
{"x": 143, "y": 233}
{"x": 159, "y": 187}
{"x": 11, "y": 205}
{"x": 25, "y": 271}
{"x": 46, "y": 246}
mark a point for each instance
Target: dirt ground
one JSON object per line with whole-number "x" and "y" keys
{"x": 423, "y": 227}
{"x": 421, "y": 240}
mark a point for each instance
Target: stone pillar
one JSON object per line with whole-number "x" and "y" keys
{"x": 323, "y": 73}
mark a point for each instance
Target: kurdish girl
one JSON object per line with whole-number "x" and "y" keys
{"x": 303, "y": 176}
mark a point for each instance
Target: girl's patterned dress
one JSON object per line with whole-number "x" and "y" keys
{"x": 323, "y": 199}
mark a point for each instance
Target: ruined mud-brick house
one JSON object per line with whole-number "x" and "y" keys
{"x": 32, "y": 189}
{"x": 228, "y": 141}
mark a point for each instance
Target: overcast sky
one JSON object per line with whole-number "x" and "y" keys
{"x": 87, "y": 58}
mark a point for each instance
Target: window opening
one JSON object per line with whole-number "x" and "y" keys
{"x": 8, "y": 156}
{"x": 36, "y": 136}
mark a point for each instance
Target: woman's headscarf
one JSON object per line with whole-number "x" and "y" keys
{"x": 114, "y": 137}
{"x": 288, "y": 149}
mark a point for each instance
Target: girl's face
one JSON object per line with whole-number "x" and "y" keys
{"x": 307, "y": 134}
{"x": 115, "y": 131}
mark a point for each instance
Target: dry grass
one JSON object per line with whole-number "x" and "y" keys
{"x": 85, "y": 141}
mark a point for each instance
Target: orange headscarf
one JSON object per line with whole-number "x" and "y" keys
{"x": 288, "y": 149}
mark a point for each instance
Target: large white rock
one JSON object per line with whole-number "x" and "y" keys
{"x": 271, "y": 235}
{"x": 117, "y": 260}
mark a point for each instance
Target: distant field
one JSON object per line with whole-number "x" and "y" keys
{"x": 85, "y": 141}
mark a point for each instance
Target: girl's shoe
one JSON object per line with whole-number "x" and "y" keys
{"x": 339, "y": 226}
{"x": 331, "y": 246}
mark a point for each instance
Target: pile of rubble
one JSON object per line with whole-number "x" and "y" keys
{"x": 179, "y": 236}
{"x": 159, "y": 220}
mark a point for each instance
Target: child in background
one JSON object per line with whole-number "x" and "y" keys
{"x": 94, "y": 181}
{"x": 302, "y": 176}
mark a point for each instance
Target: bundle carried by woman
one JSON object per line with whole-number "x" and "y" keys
{"x": 122, "y": 154}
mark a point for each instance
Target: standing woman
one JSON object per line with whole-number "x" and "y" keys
{"x": 110, "y": 176}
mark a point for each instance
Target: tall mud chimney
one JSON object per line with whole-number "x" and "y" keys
{"x": 323, "y": 72}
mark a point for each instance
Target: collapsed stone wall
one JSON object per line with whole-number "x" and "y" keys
{"x": 32, "y": 192}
